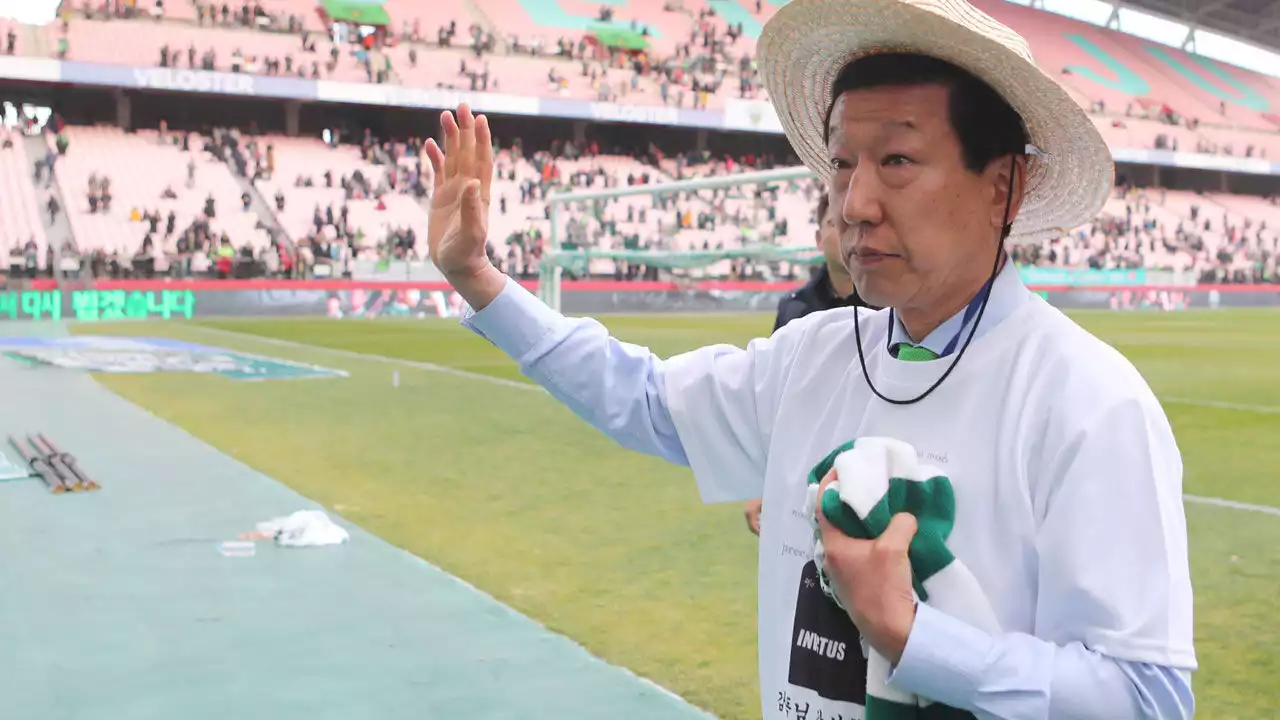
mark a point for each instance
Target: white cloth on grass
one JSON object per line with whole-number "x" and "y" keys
{"x": 305, "y": 528}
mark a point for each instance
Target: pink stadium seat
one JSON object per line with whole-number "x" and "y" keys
{"x": 1050, "y": 35}
{"x": 429, "y": 16}
{"x": 1055, "y": 50}
{"x": 138, "y": 43}
{"x": 140, "y": 168}
{"x": 1125, "y": 73}
{"x": 300, "y": 157}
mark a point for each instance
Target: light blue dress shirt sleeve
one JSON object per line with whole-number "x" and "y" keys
{"x": 1017, "y": 676}
{"x": 615, "y": 386}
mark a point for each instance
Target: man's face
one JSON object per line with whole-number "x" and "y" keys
{"x": 915, "y": 226}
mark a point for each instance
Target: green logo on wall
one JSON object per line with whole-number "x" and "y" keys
{"x": 152, "y": 355}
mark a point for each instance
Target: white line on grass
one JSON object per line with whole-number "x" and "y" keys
{"x": 445, "y": 369}
{"x": 432, "y": 367}
{"x": 1263, "y": 409}
{"x": 1266, "y": 509}
{"x": 530, "y": 386}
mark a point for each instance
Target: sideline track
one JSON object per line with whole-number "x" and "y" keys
{"x": 123, "y": 607}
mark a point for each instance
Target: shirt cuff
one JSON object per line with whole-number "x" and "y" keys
{"x": 515, "y": 321}
{"x": 944, "y": 659}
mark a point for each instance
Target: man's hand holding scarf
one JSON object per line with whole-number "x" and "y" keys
{"x": 873, "y": 579}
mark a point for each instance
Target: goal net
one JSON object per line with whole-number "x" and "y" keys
{"x": 755, "y": 226}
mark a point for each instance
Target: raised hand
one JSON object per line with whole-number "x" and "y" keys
{"x": 458, "y": 224}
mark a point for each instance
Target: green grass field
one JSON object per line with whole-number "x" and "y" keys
{"x": 510, "y": 492}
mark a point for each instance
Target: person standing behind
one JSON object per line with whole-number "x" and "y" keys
{"x": 831, "y": 286}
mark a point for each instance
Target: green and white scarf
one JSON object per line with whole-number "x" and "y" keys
{"x": 877, "y": 478}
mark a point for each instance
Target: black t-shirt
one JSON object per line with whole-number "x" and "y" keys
{"x": 813, "y": 296}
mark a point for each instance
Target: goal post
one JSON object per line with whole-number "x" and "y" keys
{"x": 555, "y": 258}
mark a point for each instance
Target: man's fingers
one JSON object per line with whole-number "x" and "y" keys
{"x": 473, "y": 211}
{"x": 451, "y": 137}
{"x": 897, "y": 537}
{"x": 832, "y": 536}
{"x": 484, "y": 156}
{"x": 467, "y": 142}
{"x": 436, "y": 157}
{"x": 826, "y": 481}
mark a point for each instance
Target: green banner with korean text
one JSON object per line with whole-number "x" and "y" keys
{"x": 96, "y": 305}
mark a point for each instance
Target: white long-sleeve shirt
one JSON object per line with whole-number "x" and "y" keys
{"x": 1068, "y": 488}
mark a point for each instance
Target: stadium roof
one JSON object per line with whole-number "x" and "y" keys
{"x": 1256, "y": 21}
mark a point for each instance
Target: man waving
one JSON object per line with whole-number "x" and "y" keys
{"x": 940, "y": 141}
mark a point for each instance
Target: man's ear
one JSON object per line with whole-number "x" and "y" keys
{"x": 998, "y": 173}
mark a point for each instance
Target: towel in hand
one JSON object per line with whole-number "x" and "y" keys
{"x": 877, "y": 478}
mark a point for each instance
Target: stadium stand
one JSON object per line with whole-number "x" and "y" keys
{"x": 360, "y": 211}
{"x": 320, "y": 185}
{"x": 314, "y": 204}
{"x": 1117, "y": 69}
{"x": 148, "y": 174}
{"x": 700, "y": 55}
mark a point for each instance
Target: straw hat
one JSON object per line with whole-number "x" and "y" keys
{"x": 806, "y": 44}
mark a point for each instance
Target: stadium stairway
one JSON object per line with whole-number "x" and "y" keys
{"x": 261, "y": 207}
{"x": 20, "y": 200}
{"x": 59, "y": 229}
{"x": 482, "y": 18}
{"x": 735, "y": 13}
{"x": 33, "y": 41}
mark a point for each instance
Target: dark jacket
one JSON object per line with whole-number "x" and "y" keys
{"x": 813, "y": 296}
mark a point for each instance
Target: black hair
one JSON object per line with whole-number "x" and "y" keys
{"x": 824, "y": 201}
{"x": 985, "y": 124}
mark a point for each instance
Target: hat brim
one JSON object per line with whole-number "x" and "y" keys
{"x": 807, "y": 42}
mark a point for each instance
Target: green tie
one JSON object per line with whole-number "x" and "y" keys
{"x": 915, "y": 353}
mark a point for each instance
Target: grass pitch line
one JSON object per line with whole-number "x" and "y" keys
{"x": 432, "y": 367}
{"x": 1232, "y": 504}
{"x": 1263, "y": 409}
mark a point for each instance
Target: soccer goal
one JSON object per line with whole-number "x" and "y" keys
{"x": 685, "y": 230}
